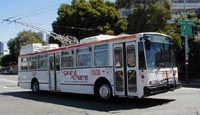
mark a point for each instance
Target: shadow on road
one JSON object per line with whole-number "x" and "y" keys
{"x": 90, "y": 102}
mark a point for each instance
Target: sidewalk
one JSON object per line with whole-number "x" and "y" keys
{"x": 191, "y": 83}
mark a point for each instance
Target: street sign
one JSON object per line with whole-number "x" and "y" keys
{"x": 186, "y": 30}
{"x": 186, "y": 22}
{"x": 186, "y": 27}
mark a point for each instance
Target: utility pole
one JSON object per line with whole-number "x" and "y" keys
{"x": 186, "y": 50}
{"x": 186, "y": 31}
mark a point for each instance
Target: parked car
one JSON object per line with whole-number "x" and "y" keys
{"x": 7, "y": 71}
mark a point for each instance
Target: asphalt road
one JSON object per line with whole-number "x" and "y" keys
{"x": 17, "y": 101}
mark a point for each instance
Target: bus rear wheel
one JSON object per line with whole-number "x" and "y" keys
{"x": 35, "y": 87}
{"x": 104, "y": 91}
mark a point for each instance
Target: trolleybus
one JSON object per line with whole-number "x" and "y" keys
{"x": 135, "y": 65}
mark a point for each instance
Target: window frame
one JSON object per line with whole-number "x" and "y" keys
{"x": 35, "y": 59}
{"x": 107, "y": 62}
{"x": 68, "y": 55}
{"x": 42, "y": 57}
{"x": 80, "y": 53}
{"x": 27, "y": 61}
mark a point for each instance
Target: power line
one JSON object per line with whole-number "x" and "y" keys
{"x": 75, "y": 28}
{"x": 38, "y": 13}
{"x": 34, "y": 12}
{"x": 65, "y": 40}
{"x": 28, "y": 14}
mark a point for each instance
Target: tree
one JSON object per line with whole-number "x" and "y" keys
{"x": 150, "y": 19}
{"x": 87, "y": 18}
{"x": 125, "y": 3}
{"x": 128, "y": 4}
{"x": 7, "y": 60}
{"x": 23, "y": 38}
{"x": 193, "y": 41}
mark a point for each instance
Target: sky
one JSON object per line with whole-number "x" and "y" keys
{"x": 39, "y": 13}
{"x": 36, "y": 12}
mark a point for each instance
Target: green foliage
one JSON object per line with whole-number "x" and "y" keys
{"x": 125, "y": 3}
{"x": 193, "y": 42}
{"x": 87, "y": 18}
{"x": 23, "y": 38}
{"x": 7, "y": 60}
{"x": 151, "y": 19}
{"x": 128, "y": 4}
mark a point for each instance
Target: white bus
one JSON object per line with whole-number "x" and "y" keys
{"x": 135, "y": 65}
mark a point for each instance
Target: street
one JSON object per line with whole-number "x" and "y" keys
{"x": 17, "y": 101}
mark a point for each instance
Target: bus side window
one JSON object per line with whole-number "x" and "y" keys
{"x": 51, "y": 63}
{"x": 142, "y": 64}
{"x": 118, "y": 57}
{"x": 101, "y": 55}
{"x": 131, "y": 56}
{"x": 57, "y": 62}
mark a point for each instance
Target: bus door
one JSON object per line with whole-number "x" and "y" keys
{"x": 125, "y": 68}
{"x": 54, "y": 71}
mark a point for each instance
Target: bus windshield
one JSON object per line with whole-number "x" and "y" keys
{"x": 160, "y": 55}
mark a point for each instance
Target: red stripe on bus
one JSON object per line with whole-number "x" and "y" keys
{"x": 85, "y": 44}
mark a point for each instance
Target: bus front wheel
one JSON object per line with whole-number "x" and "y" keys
{"x": 35, "y": 86}
{"x": 103, "y": 91}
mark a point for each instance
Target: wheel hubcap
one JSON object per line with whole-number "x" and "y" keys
{"x": 35, "y": 87}
{"x": 104, "y": 91}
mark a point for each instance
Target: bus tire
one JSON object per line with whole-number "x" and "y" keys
{"x": 103, "y": 91}
{"x": 35, "y": 86}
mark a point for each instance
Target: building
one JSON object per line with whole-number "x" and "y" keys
{"x": 5, "y": 52}
{"x": 176, "y": 7}
{"x": 41, "y": 35}
{"x": 1, "y": 48}
{"x": 124, "y": 12}
{"x": 47, "y": 38}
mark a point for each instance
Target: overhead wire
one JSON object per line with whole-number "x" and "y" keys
{"x": 34, "y": 12}
{"x": 75, "y": 28}
{"x": 28, "y": 14}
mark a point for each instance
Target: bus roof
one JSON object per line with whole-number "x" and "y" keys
{"x": 96, "y": 38}
{"x": 29, "y": 49}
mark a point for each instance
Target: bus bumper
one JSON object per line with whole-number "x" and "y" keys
{"x": 152, "y": 90}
